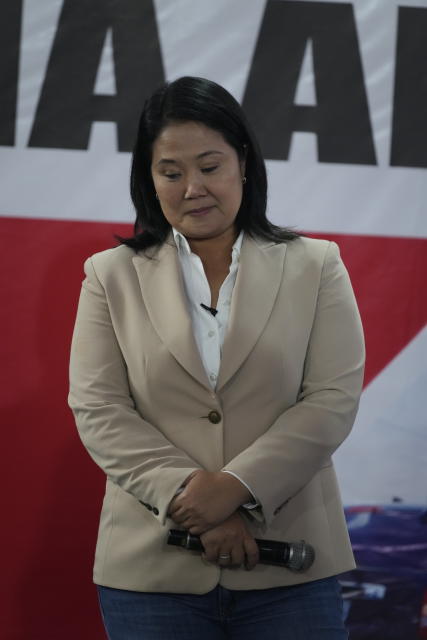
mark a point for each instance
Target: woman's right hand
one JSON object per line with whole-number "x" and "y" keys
{"x": 231, "y": 538}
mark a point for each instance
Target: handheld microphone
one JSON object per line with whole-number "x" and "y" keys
{"x": 296, "y": 556}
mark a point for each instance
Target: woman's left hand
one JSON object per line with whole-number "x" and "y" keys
{"x": 208, "y": 499}
{"x": 230, "y": 544}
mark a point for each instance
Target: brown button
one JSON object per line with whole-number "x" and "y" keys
{"x": 214, "y": 417}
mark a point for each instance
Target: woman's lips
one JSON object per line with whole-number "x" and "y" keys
{"x": 200, "y": 212}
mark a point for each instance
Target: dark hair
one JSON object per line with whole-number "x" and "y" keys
{"x": 199, "y": 100}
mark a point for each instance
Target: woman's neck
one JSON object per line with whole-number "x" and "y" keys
{"x": 215, "y": 251}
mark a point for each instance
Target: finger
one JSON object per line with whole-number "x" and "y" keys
{"x": 211, "y": 553}
{"x": 172, "y": 507}
{"x": 251, "y": 552}
{"x": 181, "y": 512}
{"x": 225, "y": 558}
{"x": 196, "y": 529}
{"x": 191, "y": 523}
{"x": 205, "y": 560}
{"x": 179, "y": 517}
{"x": 175, "y": 507}
{"x": 177, "y": 499}
{"x": 237, "y": 555}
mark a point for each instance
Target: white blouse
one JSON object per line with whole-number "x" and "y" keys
{"x": 209, "y": 330}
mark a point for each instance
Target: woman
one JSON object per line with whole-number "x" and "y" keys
{"x": 216, "y": 365}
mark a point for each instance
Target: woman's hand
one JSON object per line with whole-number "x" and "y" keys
{"x": 232, "y": 540}
{"x": 207, "y": 499}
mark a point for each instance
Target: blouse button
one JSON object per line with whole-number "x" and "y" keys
{"x": 214, "y": 417}
{"x": 211, "y": 334}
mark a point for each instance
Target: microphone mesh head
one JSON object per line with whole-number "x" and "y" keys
{"x": 301, "y": 556}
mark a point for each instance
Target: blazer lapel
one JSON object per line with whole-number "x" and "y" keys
{"x": 164, "y": 295}
{"x": 255, "y": 291}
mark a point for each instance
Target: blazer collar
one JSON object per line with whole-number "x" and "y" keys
{"x": 257, "y": 284}
{"x": 162, "y": 288}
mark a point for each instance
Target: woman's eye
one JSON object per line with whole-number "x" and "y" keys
{"x": 209, "y": 169}
{"x": 172, "y": 176}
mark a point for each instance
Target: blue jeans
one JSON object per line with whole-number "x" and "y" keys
{"x": 311, "y": 611}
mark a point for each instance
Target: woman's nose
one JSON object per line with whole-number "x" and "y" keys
{"x": 195, "y": 188}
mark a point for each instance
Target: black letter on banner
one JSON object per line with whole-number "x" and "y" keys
{"x": 68, "y": 106}
{"x": 10, "y": 35}
{"x": 341, "y": 117}
{"x": 409, "y": 138}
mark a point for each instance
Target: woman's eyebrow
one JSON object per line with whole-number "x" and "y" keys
{"x": 166, "y": 161}
{"x": 208, "y": 153}
{"x": 200, "y": 155}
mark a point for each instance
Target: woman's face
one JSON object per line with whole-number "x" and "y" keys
{"x": 198, "y": 179}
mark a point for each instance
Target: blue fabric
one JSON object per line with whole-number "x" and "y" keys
{"x": 312, "y": 611}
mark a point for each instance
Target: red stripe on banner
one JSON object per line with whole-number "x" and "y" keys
{"x": 388, "y": 276}
{"x": 55, "y": 490}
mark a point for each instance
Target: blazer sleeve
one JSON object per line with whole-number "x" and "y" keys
{"x": 131, "y": 451}
{"x": 302, "y": 439}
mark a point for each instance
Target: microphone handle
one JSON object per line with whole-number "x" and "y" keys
{"x": 295, "y": 556}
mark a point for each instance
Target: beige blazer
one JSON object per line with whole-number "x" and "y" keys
{"x": 287, "y": 395}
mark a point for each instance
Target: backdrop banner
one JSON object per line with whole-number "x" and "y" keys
{"x": 337, "y": 94}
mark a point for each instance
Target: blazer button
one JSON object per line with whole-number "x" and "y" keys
{"x": 214, "y": 417}
{"x": 155, "y": 511}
